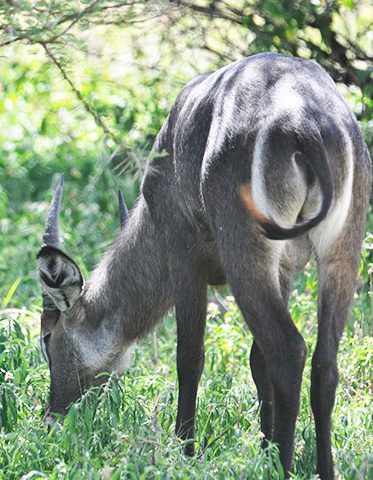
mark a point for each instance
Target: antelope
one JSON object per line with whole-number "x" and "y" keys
{"x": 264, "y": 168}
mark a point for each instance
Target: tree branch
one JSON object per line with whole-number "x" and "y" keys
{"x": 80, "y": 97}
{"x": 12, "y": 40}
{"x": 123, "y": 149}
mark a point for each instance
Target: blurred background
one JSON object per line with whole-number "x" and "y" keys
{"x": 86, "y": 85}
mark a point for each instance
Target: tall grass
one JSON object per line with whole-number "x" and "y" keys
{"x": 125, "y": 428}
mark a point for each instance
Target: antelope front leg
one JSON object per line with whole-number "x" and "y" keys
{"x": 190, "y": 317}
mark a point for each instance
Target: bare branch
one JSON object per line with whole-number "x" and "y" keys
{"x": 12, "y": 40}
{"x": 75, "y": 19}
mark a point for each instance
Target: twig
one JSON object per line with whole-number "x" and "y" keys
{"x": 8, "y": 42}
{"x": 123, "y": 149}
{"x": 80, "y": 97}
{"x": 75, "y": 19}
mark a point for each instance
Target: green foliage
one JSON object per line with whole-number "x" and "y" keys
{"x": 44, "y": 133}
{"x": 125, "y": 428}
{"x": 51, "y": 22}
{"x": 334, "y": 33}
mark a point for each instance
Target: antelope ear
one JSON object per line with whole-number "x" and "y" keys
{"x": 60, "y": 277}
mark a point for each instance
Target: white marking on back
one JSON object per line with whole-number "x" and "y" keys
{"x": 286, "y": 99}
{"x": 220, "y": 123}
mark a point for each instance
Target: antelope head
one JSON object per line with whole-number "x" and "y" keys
{"x": 75, "y": 341}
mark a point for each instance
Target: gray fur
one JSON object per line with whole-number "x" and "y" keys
{"x": 279, "y": 125}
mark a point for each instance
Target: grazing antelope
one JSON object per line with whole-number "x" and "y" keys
{"x": 265, "y": 167}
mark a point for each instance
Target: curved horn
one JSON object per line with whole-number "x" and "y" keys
{"x": 51, "y": 234}
{"x": 123, "y": 210}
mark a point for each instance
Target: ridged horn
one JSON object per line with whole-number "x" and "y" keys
{"x": 51, "y": 238}
{"x": 123, "y": 210}
{"x": 51, "y": 233}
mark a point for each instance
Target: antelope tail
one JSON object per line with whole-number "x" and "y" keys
{"x": 316, "y": 156}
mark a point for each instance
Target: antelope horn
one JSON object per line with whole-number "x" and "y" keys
{"x": 51, "y": 234}
{"x": 123, "y": 210}
{"x": 51, "y": 237}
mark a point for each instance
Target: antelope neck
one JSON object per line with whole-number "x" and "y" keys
{"x": 129, "y": 290}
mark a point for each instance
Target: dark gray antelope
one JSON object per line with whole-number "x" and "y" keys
{"x": 265, "y": 167}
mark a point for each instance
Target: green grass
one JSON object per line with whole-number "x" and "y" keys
{"x": 126, "y": 429}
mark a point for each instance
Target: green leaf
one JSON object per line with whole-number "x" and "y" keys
{"x": 12, "y": 291}
{"x": 348, "y": 4}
